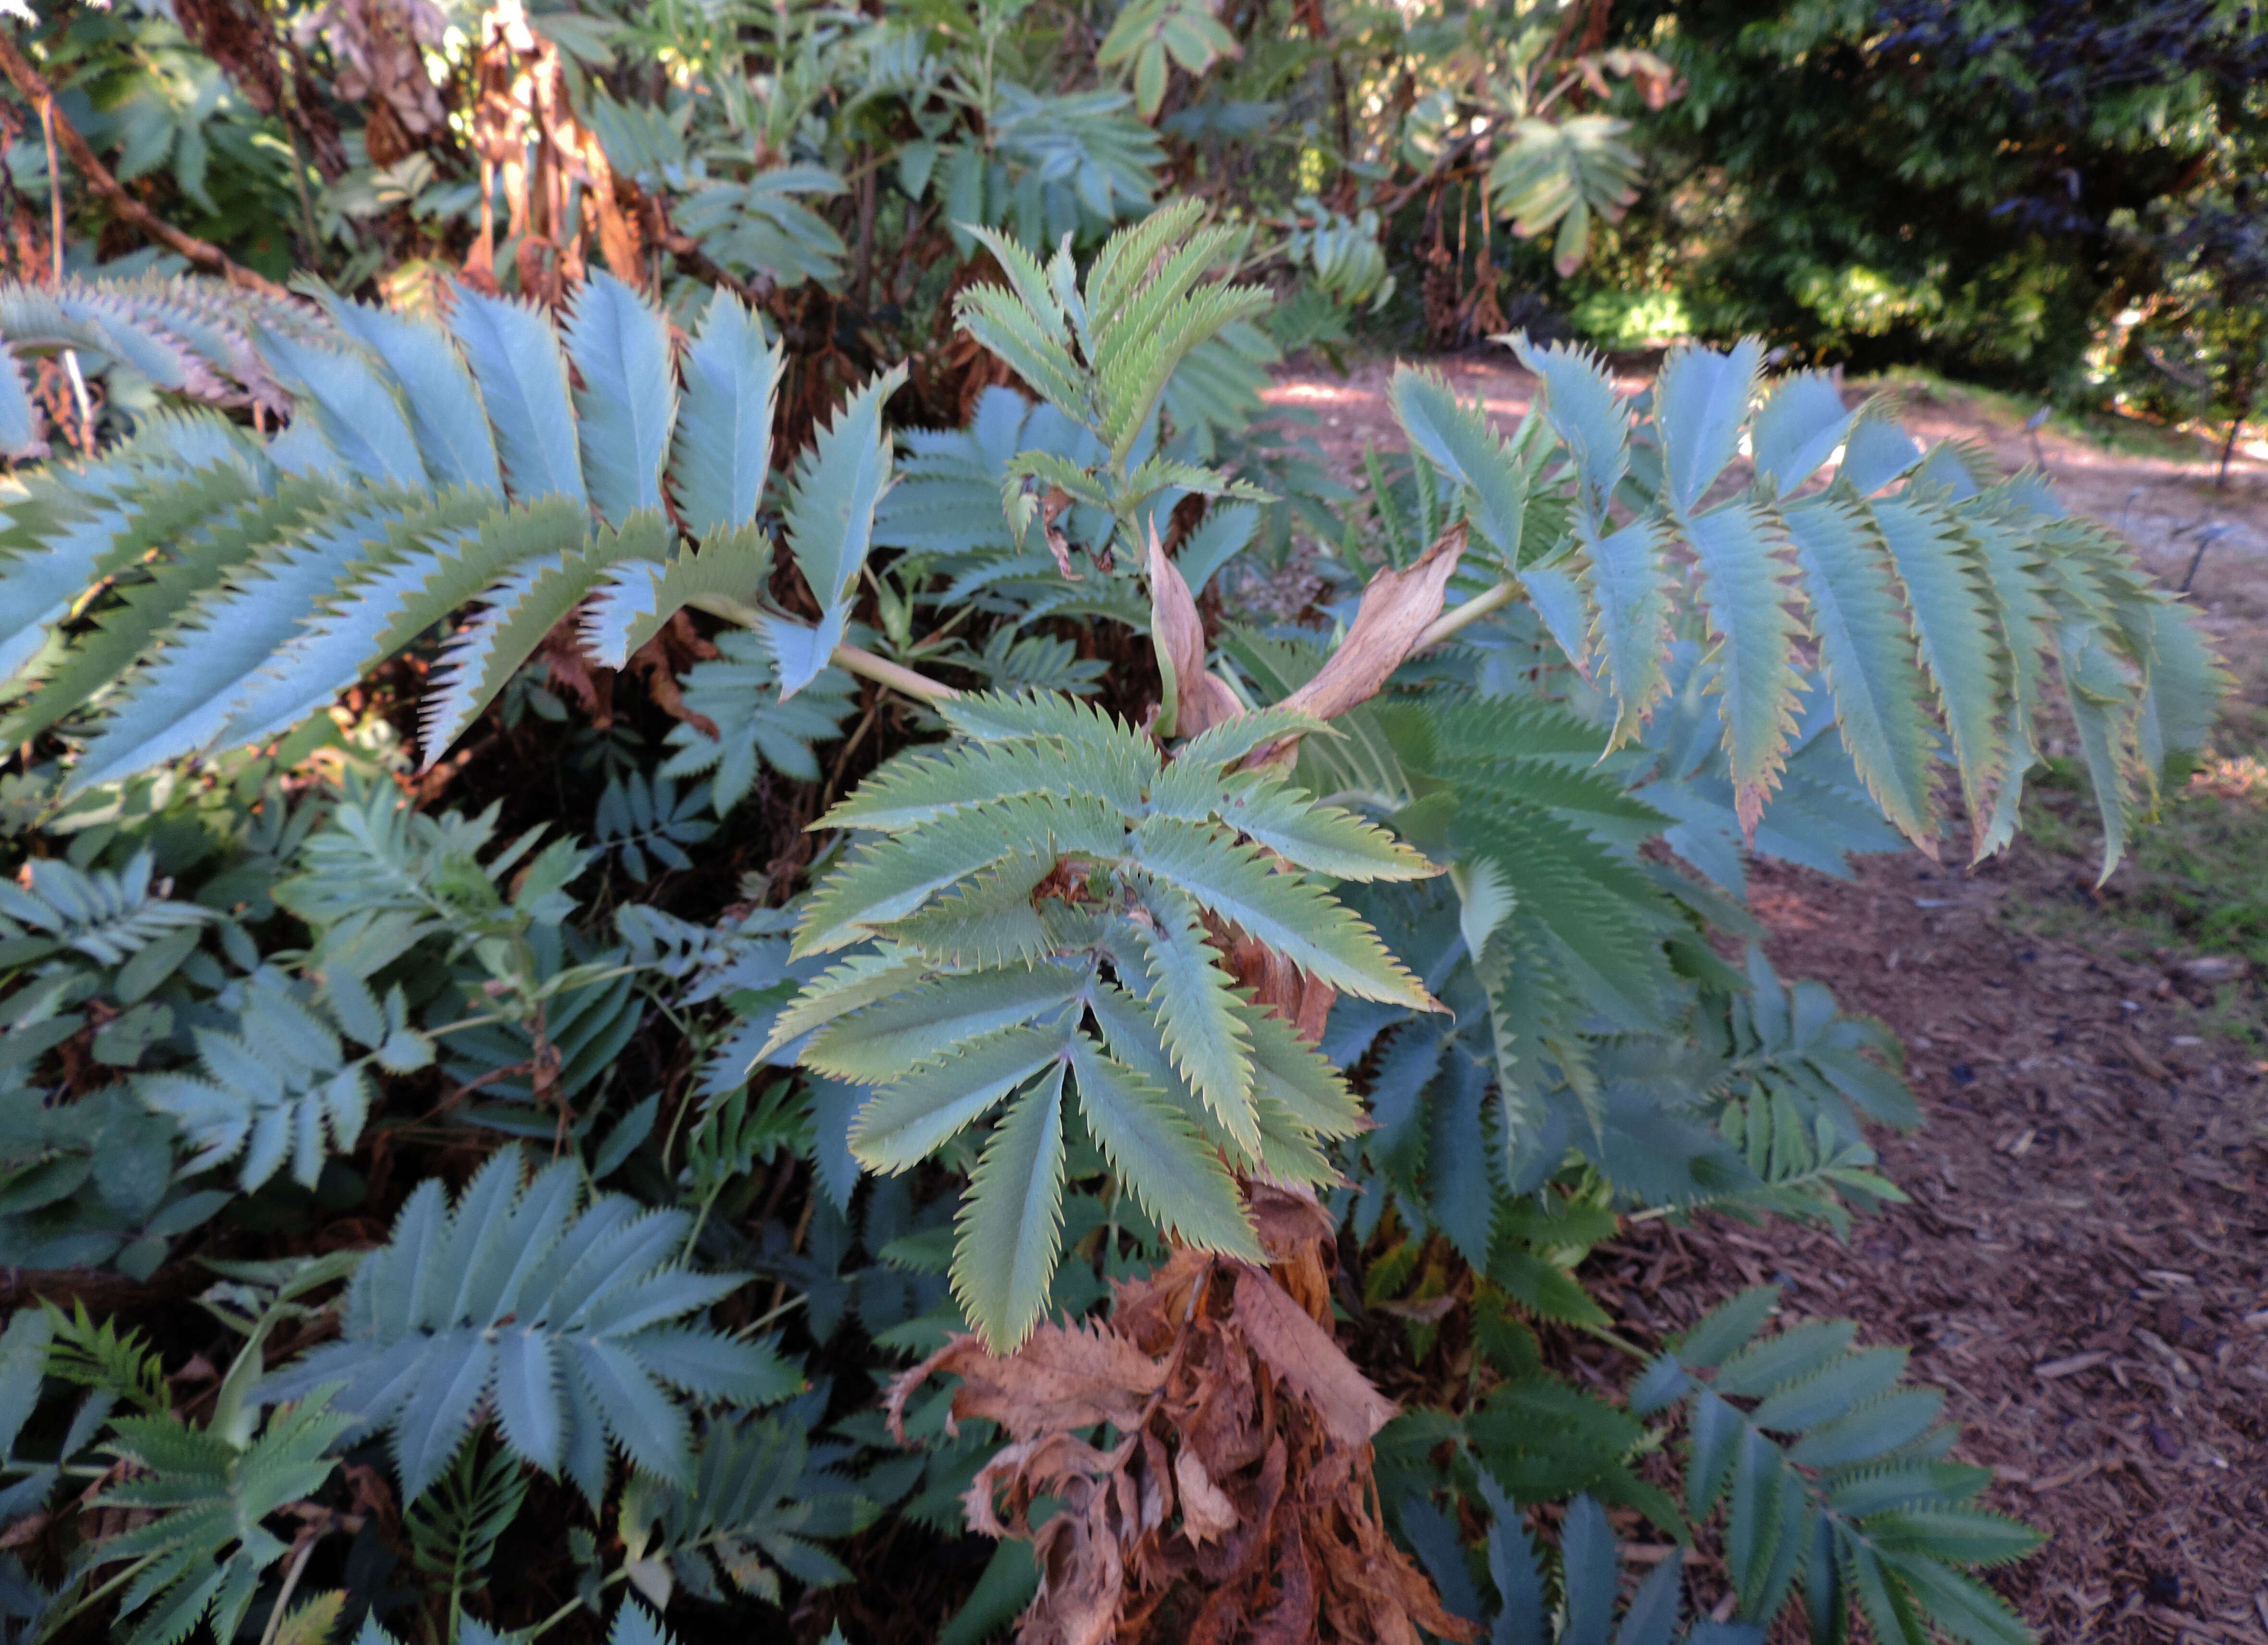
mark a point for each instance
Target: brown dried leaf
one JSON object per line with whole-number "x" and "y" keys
{"x": 1206, "y": 1512}
{"x": 1082, "y": 1576}
{"x": 1288, "y": 1219}
{"x": 1302, "y": 1354}
{"x": 1396, "y": 609}
{"x": 1061, "y": 1378}
{"x": 1051, "y": 510}
{"x": 1198, "y": 699}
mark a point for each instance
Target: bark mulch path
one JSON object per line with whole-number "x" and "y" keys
{"x": 2084, "y": 1268}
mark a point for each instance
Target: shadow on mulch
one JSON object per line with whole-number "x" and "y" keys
{"x": 2084, "y": 1268}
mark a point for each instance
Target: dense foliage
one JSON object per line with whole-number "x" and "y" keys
{"x": 664, "y": 809}
{"x": 2038, "y": 193}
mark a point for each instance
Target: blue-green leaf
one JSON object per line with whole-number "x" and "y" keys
{"x": 628, "y": 402}
{"x": 724, "y": 451}
{"x": 515, "y": 357}
{"x": 1701, "y": 399}
{"x": 1868, "y": 651}
{"x": 1745, "y": 587}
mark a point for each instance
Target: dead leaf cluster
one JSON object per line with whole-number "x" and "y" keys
{"x": 1208, "y": 1450}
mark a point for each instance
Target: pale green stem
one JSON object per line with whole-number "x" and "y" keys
{"x": 1471, "y": 612}
{"x": 850, "y": 658}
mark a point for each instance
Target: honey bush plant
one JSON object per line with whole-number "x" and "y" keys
{"x": 500, "y": 1235}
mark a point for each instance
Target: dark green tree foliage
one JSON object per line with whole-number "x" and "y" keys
{"x": 1946, "y": 181}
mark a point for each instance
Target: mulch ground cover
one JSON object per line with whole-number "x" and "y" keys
{"x": 2084, "y": 1265}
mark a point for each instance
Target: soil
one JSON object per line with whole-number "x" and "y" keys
{"x": 2083, "y": 1266}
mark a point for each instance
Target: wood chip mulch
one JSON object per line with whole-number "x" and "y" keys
{"x": 2084, "y": 1268}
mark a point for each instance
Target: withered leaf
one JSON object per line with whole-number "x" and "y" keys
{"x": 1206, "y": 1511}
{"x": 1082, "y": 1574}
{"x": 1288, "y": 1218}
{"x": 1061, "y": 1378}
{"x": 1396, "y": 609}
{"x": 1302, "y": 1354}
{"x": 1051, "y": 510}
{"x": 1198, "y": 700}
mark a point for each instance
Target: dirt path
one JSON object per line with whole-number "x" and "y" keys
{"x": 2084, "y": 1265}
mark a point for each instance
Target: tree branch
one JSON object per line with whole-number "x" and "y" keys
{"x": 29, "y": 82}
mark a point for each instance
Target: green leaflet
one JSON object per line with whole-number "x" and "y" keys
{"x": 1958, "y": 646}
{"x": 349, "y": 627}
{"x": 881, "y": 1041}
{"x": 1011, "y": 1224}
{"x": 1964, "y": 1535}
{"x": 1628, "y": 586}
{"x": 1580, "y": 403}
{"x": 999, "y": 717}
{"x": 2021, "y": 604}
{"x": 234, "y": 525}
{"x": 516, "y": 358}
{"x": 2100, "y": 689}
{"x": 1867, "y": 650}
{"x": 890, "y": 878}
{"x": 723, "y": 440}
{"x": 904, "y": 1123}
{"x": 1179, "y": 1179}
{"x": 1701, "y": 399}
{"x": 990, "y": 920}
{"x": 518, "y": 613}
{"x": 738, "y": 691}
{"x": 1197, "y": 1012}
{"x": 830, "y": 517}
{"x": 569, "y": 1319}
{"x": 920, "y": 786}
{"x": 238, "y": 660}
{"x": 1287, "y": 1074}
{"x": 206, "y": 1500}
{"x": 638, "y": 597}
{"x": 1797, "y": 429}
{"x": 1745, "y": 587}
{"x": 1322, "y": 839}
{"x": 355, "y": 408}
{"x": 1457, "y": 438}
{"x": 2183, "y": 682}
{"x": 443, "y": 404}
{"x": 1292, "y": 916}
{"x": 628, "y": 403}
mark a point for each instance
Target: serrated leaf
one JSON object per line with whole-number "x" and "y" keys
{"x": 1872, "y": 1430}
{"x": 1320, "y": 936}
{"x": 1457, "y": 438}
{"x": 1955, "y": 630}
{"x": 723, "y": 443}
{"x": 1797, "y": 429}
{"x": 628, "y": 403}
{"x": 444, "y": 403}
{"x": 1179, "y": 1180}
{"x": 516, "y": 358}
{"x": 881, "y": 1041}
{"x": 1701, "y": 398}
{"x": 1197, "y": 1012}
{"x": 1959, "y": 1536}
{"x": 902, "y": 1124}
{"x": 1011, "y": 1222}
{"x": 1868, "y": 651}
{"x": 1629, "y": 591}
{"x": 1744, "y": 586}
{"x": 1829, "y": 1393}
